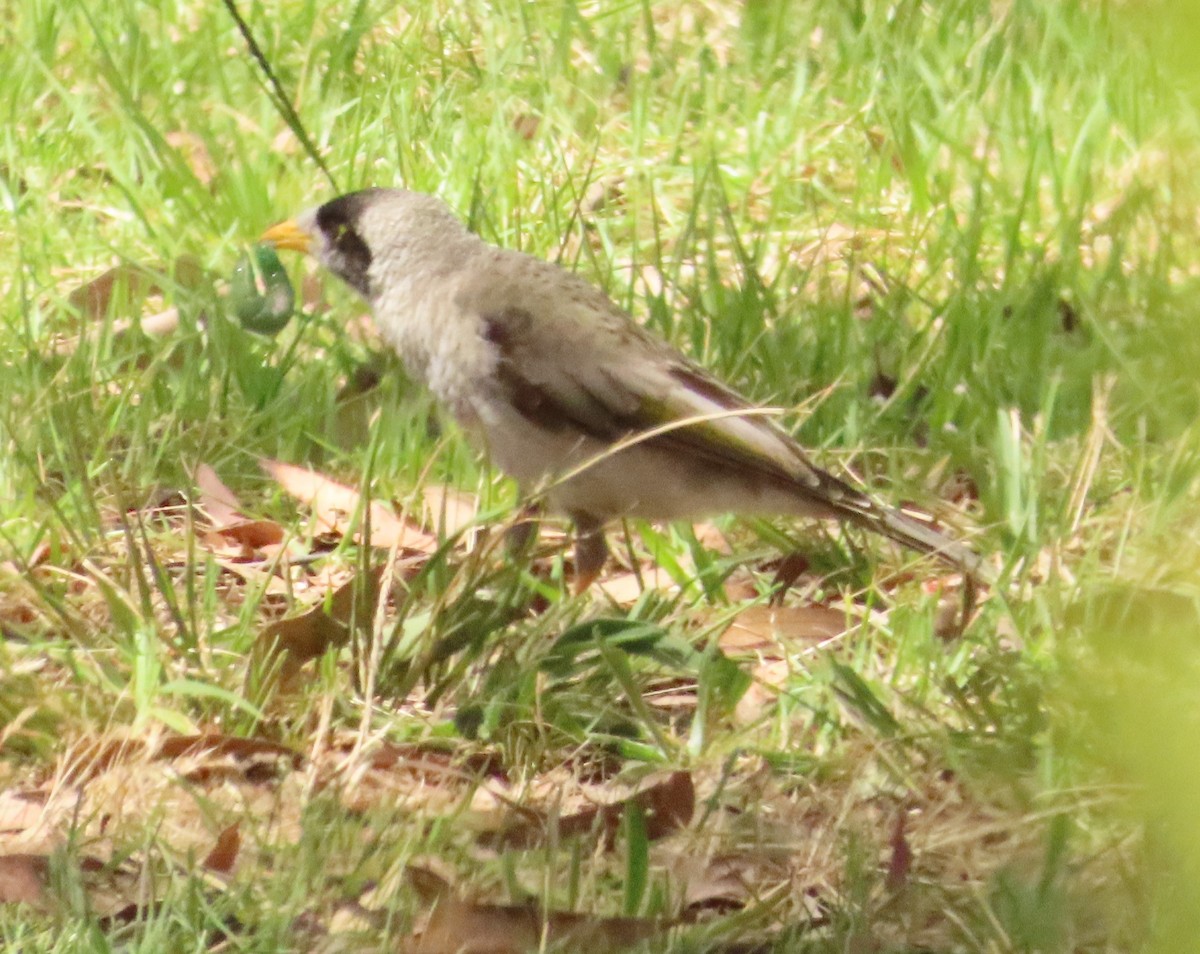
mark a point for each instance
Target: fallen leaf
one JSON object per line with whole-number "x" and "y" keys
{"x": 308, "y": 636}
{"x": 26, "y": 879}
{"x": 94, "y": 299}
{"x": 265, "y": 583}
{"x": 213, "y": 754}
{"x": 901, "y": 859}
{"x": 602, "y": 193}
{"x": 23, "y": 879}
{"x": 711, "y": 537}
{"x": 219, "y": 502}
{"x": 430, "y": 886}
{"x": 769, "y": 676}
{"x": 771, "y": 629}
{"x": 125, "y": 288}
{"x": 790, "y": 568}
{"x": 223, "y": 509}
{"x": 224, "y": 853}
{"x": 668, "y": 806}
{"x": 724, "y": 883}
{"x": 335, "y": 506}
{"x": 526, "y": 125}
{"x": 464, "y": 927}
{"x": 448, "y": 510}
{"x": 158, "y": 325}
{"x": 253, "y": 535}
{"x": 39, "y": 556}
{"x": 625, "y": 589}
{"x": 20, "y": 811}
{"x": 426, "y": 777}
{"x": 474, "y": 765}
{"x": 132, "y": 281}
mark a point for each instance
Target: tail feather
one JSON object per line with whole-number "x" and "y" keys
{"x": 858, "y": 508}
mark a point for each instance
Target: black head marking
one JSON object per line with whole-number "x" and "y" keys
{"x": 349, "y": 255}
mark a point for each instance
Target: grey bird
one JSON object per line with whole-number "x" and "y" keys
{"x": 567, "y": 393}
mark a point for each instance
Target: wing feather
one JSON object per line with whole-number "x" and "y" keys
{"x": 571, "y": 360}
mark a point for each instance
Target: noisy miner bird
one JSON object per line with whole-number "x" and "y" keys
{"x": 569, "y": 395}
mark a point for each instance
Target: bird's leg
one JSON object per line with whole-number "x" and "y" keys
{"x": 591, "y": 550}
{"x": 523, "y": 530}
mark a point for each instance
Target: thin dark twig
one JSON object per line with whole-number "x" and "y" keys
{"x": 282, "y": 102}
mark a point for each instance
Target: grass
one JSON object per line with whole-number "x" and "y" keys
{"x": 958, "y": 242}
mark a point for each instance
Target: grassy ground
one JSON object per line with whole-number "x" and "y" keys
{"x": 958, "y": 241}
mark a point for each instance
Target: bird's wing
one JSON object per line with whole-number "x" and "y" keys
{"x": 568, "y": 358}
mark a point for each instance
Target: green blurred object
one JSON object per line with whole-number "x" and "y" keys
{"x": 261, "y": 292}
{"x": 1135, "y": 680}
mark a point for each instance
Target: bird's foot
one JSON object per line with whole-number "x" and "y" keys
{"x": 591, "y": 550}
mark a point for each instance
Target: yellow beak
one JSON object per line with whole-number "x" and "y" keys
{"x": 287, "y": 235}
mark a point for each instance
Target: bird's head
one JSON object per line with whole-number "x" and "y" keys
{"x": 349, "y": 235}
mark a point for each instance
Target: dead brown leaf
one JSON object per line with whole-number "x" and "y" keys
{"x": 223, "y": 509}
{"x": 265, "y": 583}
{"x": 125, "y": 289}
{"x": 157, "y": 325}
{"x": 723, "y": 883}
{"x": 790, "y": 568}
{"x": 35, "y": 559}
{"x": 250, "y": 755}
{"x": 465, "y": 927}
{"x": 425, "y": 778}
{"x": 224, "y": 854}
{"x": 335, "y": 506}
{"x": 473, "y": 764}
{"x": 23, "y": 879}
{"x": 771, "y": 629}
{"x": 526, "y": 125}
{"x": 711, "y": 537}
{"x": 209, "y": 756}
{"x": 129, "y": 282}
{"x": 93, "y": 299}
{"x": 396, "y": 773}
{"x": 306, "y": 637}
{"x": 20, "y": 811}
{"x": 252, "y": 536}
{"x": 668, "y": 806}
{"x": 771, "y": 633}
{"x": 900, "y": 860}
{"x": 448, "y": 510}
{"x": 219, "y": 502}
{"x": 625, "y": 589}
{"x": 769, "y": 676}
